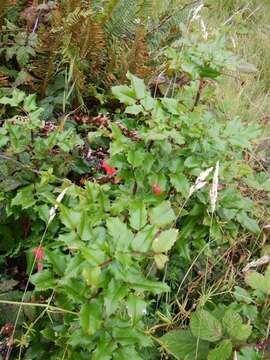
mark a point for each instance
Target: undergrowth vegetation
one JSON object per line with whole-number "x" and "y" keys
{"x": 134, "y": 182}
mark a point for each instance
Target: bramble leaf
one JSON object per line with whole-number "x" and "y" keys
{"x": 205, "y": 326}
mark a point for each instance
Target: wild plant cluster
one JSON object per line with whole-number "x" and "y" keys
{"x": 133, "y": 211}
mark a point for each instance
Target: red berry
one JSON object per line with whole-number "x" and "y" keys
{"x": 108, "y": 169}
{"x": 39, "y": 253}
{"x": 156, "y": 189}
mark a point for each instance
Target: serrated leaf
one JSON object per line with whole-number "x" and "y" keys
{"x": 138, "y": 282}
{"x": 172, "y": 105}
{"x": 247, "y": 222}
{"x": 137, "y": 85}
{"x": 121, "y": 235}
{"x": 184, "y": 346}
{"x": 24, "y": 197}
{"x": 222, "y": 351}
{"x": 205, "y": 326}
{"x": 43, "y": 280}
{"x": 180, "y": 183}
{"x": 209, "y": 72}
{"x": 134, "y": 109}
{"x": 91, "y": 275}
{"x": 91, "y": 317}
{"x": 242, "y": 295}
{"x": 165, "y": 241}
{"x": 113, "y": 296}
{"x": 58, "y": 260}
{"x": 124, "y": 94}
{"x": 258, "y": 281}
{"x": 162, "y": 214}
{"x": 138, "y": 215}
{"x": 136, "y": 157}
{"x": 160, "y": 260}
{"x": 143, "y": 239}
{"x": 249, "y": 354}
{"x": 232, "y": 321}
{"x": 15, "y": 100}
{"x": 148, "y": 102}
{"x": 136, "y": 308}
{"x": 29, "y": 103}
{"x": 126, "y": 353}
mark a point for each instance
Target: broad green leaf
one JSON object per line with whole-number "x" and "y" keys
{"x": 104, "y": 350}
{"x": 180, "y": 183}
{"x": 247, "y": 222}
{"x": 70, "y": 218}
{"x": 209, "y": 72}
{"x": 15, "y": 100}
{"x": 138, "y": 282}
{"x": 136, "y": 308}
{"x": 74, "y": 267}
{"x": 248, "y": 353}
{"x": 93, "y": 254}
{"x": 172, "y": 105}
{"x": 165, "y": 241}
{"x": 113, "y": 296}
{"x": 122, "y": 236}
{"x": 161, "y": 260}
{"x": 91, "y": 317}
{"x": 127, "y": 335}
{"x": 232, "y": 321}
{"x": 162, "y": 214}
{"x": 29, "y": 103}
{"x": 124, "y": 94}
{"x": 43, "y": 280}
{"x": 137, "y": 85}
{"x": 222, "y": 351}
{"x": 58, "y": 260}
{"x": 134, "y": 109}
{"x": 242, "y": 295}
{"x": 79, "y": 338}
{"x": 4, "y": 138}
{"x": 143, "y": 239}
{"x": 148, "y": 102}
{"x": 136, "y": 157}
{"x": 205, "y": 326}
{"x": 184, "y": 346}
{"x": 126, "y": 353}
{"x": 24, "y": 198}
{"x": 138, "y": 215}
{"x": 155, "y": 287}
{"x": 91, "y": 275}
{"x": 258, "y": 281}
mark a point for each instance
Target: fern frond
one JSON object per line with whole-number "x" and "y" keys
{"x": 124, "y": 19}
{"x": 3, "y": 5}
{"x": 109, "y": 10}
{"x": 139, "y": 55}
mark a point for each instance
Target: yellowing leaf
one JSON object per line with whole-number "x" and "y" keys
{"x": 161, "y": 260}
{"x": 165, "y": 241}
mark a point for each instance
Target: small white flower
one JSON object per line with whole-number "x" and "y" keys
{"x": 214, "y": 190}
{"x": 52, "y": 212}
{"x": 200, "y": 181}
